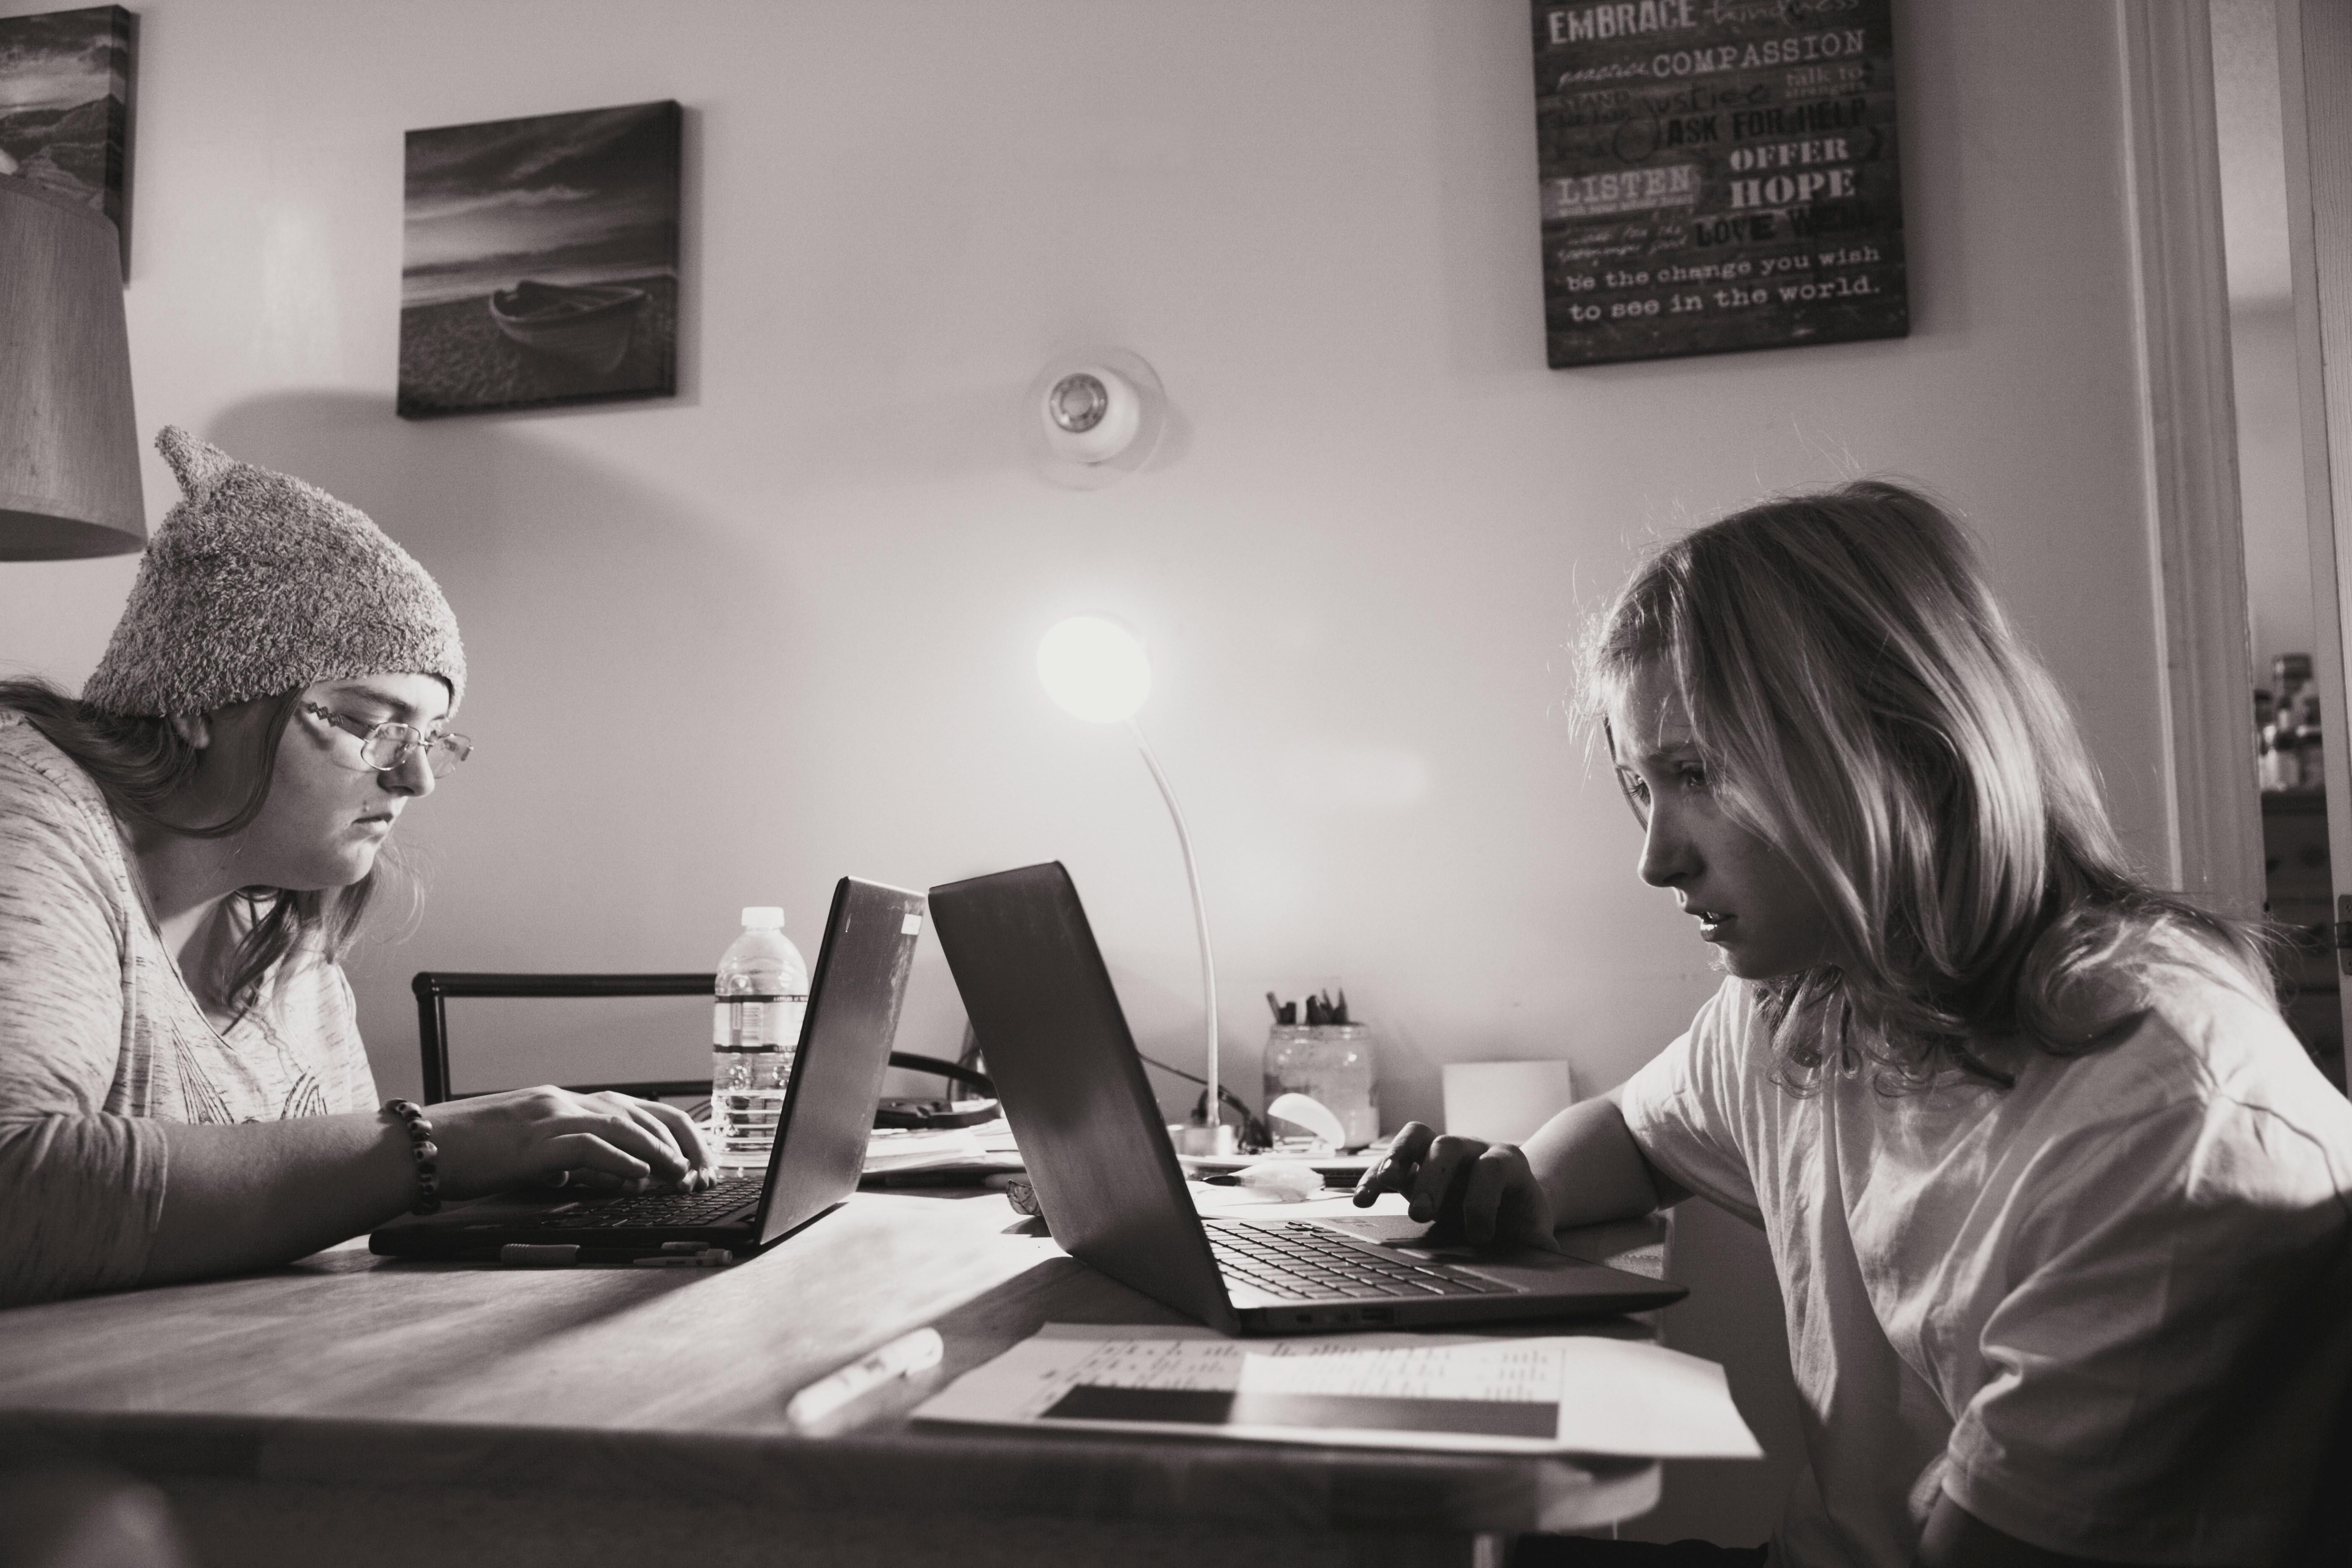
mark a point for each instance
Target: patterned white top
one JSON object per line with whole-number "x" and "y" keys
{"x": 100, "y": 1039}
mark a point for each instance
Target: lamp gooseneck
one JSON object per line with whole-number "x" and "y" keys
{"x": 1095, "y": 668}
{"x": 1200, "y": 928}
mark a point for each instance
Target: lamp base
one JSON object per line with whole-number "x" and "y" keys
{"x": 1211, "y": 1140}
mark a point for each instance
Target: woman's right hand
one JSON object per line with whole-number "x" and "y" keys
{"x": 494, "y": 1143}
{"x": 248, "y": 1195}
{"x": 1465, "y": 1190}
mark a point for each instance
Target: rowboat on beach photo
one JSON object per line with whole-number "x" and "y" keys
{"x": 587, "y": 324}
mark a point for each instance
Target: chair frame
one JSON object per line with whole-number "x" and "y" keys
{"x": 433, "y": 989}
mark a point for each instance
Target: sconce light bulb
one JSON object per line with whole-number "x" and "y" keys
{"x": 1092, "y": 415}
{"x": 1078, "y": 402}
{"x": 1095, "y": 668}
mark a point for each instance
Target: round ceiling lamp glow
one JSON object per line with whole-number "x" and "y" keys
{"x": 1096, "y": 668}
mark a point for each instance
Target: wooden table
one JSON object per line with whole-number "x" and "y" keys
{"x": 352, "y": 1411}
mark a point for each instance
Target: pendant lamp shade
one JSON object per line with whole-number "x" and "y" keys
{"x": 69, "y": 438}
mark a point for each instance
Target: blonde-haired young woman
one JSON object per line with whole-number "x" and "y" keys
{"x": 2057, "y": 1203}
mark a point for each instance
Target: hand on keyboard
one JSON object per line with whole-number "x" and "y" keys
{"x": 1465, "y": 1190}
{"x": 709, "y": 1206}
{"x": 604, "y": 1142}
{"x": 599, "y": 1182}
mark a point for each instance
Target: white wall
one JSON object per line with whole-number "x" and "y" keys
{"x": 729, "y": 646}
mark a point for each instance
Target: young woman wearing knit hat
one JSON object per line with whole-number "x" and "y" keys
{"x": 185, "y": 852}
{"x": 2060, "y": 1210}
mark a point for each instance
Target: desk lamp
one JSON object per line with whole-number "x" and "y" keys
{"x": 1096, "y": 668}
{"x": 68, "y": 439}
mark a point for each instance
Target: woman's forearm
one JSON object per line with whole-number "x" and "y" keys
{"x": 258, "y": 1193}
{"x": 1591, "y": 1168}
{"x": 254, "y": 1194}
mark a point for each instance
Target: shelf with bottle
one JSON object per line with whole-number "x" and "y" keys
{"x": 2290, "y": 757}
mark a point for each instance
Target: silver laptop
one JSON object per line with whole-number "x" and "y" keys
{"x": 1057, "y": 1042}
{"x": 821, "y": 1133}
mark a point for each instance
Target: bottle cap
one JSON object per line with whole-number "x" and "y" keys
{"x": 763, "y": 917}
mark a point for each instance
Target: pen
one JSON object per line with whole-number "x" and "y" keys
{"x": 902, "y": 1357}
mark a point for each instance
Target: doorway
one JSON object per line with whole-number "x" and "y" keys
{"x": 2286, "y": 714}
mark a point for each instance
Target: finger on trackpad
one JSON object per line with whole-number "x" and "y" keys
{"x": 1397, "y": 1230}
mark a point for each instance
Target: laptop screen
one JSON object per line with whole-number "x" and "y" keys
{"x": 855, "y": 996}
{"x": 1057, "y": 1045}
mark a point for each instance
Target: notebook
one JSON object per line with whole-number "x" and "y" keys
{"x": 1108, "y": 1182}
{"x": 844, "y": 1049}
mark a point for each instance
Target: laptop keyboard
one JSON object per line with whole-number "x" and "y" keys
{"x": 1302, "y": 1262}
{"x": 658, "y": 1209}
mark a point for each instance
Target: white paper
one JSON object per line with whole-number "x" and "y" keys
{"x": 1614, "y": 1397}
{"x": 897, "y": 1149}
{"x": 1506, "y": 1370}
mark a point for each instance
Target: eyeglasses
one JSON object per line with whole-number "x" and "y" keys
{"x": 390, "y": 744}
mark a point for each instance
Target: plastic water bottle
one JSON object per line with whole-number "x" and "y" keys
{"x": 757, "y": 1005}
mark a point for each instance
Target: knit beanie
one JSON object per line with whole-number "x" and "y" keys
{"x": 257, "y": 583}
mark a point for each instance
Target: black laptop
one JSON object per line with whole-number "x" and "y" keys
{"x": 821, "y": 1134}
{"x": 1109, "y": 1186}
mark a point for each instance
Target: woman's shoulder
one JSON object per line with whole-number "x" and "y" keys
{"x": 43, "y": 783}
{"x": 2189, "y": 985}
{"x": 2196, "y": 1034}
{"x": 31, "y": 755}
{"x": 1732, "y": 1032}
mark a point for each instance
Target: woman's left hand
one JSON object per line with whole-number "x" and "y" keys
{"x": 1463, "y": 1189}
{"x": 603, "y": 1140}
{"x": 684, "y": 1132}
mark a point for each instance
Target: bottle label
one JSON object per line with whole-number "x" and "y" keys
{"x": 756, "y": 1022}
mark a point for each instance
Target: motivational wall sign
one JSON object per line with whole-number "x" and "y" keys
{"x": 1716, "y": 175}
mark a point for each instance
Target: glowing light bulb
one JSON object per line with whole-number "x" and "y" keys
{"x": 1096, "y": 668}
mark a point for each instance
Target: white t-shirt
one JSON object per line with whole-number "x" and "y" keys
{"x": 2108, "y": 1311}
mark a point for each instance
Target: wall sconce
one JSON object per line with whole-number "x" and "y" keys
{"x": 1095, "y": 418}
{"x": 68, "y": 436}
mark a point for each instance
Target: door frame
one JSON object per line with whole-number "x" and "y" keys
{"x": 2188, "y": 455}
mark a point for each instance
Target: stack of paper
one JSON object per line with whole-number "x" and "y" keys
{"x": 973, "y": 1150}
{"x": 1559, "y": 1394}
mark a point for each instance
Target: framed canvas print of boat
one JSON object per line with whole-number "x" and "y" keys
{"x": 539, "y": 262}
{"x": 65, "y": 107}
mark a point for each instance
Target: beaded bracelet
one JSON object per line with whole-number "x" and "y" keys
{"x": 422, "y": 1148}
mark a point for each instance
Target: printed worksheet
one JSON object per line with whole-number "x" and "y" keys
{"x": 1559, "y": 1393}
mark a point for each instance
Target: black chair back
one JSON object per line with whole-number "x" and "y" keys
{"x": 434, "y": 987}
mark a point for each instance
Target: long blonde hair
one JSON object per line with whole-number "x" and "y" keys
{"x": 1863, "y": 704}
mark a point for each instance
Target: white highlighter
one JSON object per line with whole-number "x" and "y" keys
{"x": 902, "y": 1357}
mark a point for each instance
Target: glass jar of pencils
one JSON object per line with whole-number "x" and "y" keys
{"x": 1328, "y": 1063}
